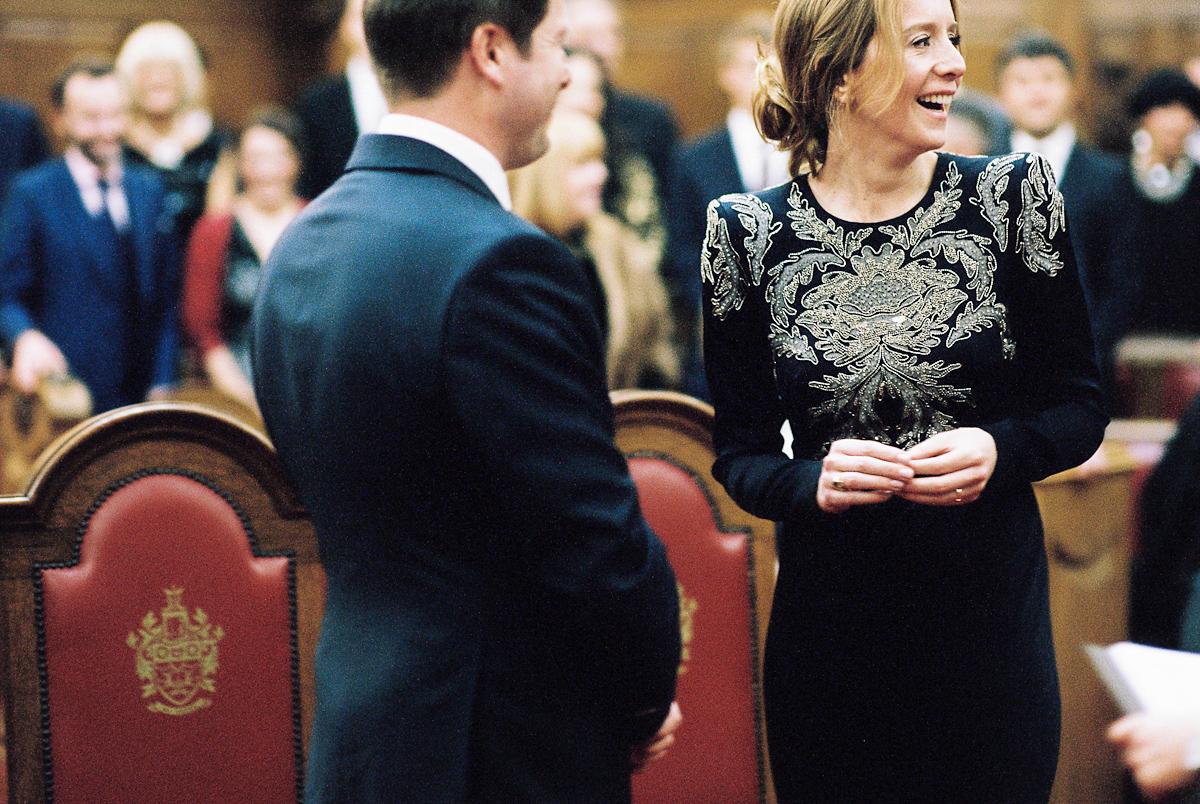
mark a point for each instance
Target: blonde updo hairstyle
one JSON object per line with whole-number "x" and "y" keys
{"x": 814, "y": 73}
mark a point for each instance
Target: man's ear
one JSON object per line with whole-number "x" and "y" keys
{"x": 488, "y": 51}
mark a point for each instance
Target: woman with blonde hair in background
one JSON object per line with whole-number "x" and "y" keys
{"x": 917, "y": 319}
{"x": 561, "y": 193}
{"x": 171, "y": 127}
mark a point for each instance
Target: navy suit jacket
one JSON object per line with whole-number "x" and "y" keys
{"x": 22, "y": 142}
{"x": 704, "y": 169}
{"x": 1097, "y": 193}
{"x": 326, "y": 112}
{"x": 501, "y": 623}
{"x": 58, "y": 274}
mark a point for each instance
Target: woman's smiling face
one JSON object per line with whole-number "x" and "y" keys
{"x": 933, "y": 71}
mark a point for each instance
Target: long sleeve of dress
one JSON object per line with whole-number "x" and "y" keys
{"x": 1058, "y": 412}
{"x": 203, "y": 278}
{"x": 739, "y": 363}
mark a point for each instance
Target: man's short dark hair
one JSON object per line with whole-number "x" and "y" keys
{"x": 416, "y": 44}
{"x": 1034, "y": 45}
{"x": 95, "y": 68}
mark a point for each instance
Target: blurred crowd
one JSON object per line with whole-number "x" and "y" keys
{"x": 131, "y": 260}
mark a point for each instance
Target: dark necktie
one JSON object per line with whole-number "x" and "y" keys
{"x": 126, "y": 265}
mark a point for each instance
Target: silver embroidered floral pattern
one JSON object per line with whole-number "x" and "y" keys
{"x": 874, "y": 302}
{"x": 719, "y": 265}
{"x": 1034, "y": 230}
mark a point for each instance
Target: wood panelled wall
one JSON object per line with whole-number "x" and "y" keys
{"x": 671, "y": 42}
{"x": 257, "y": 50}
{"x": 264, "y": 50}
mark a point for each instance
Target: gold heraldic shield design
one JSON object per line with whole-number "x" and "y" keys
{"x": 176, "y": 657}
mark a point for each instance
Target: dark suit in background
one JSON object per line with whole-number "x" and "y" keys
{"x": 1097, "y": 196}
{"x": 1097, "y": 193}
{"x": 704, "y": 169}
{"x": 645, "y": 126}
{"x": 61, "y": 273}
{"x": 501, "y": 624}
{"x": 22, "y": 141}
{"x": 326, "y": 114}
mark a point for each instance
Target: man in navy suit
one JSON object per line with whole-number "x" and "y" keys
{"x": 336, "y": 108}
{"x": 22, "y": 141}
{"x": 1035, "y": 76}
{"x": 88, "y": 274}
{"x": 731, "y": 158}
{"x": 501, "y": 625}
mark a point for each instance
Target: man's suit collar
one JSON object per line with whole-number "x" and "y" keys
{"x": 390, "y": 152}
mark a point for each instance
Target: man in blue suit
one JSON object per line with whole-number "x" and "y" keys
{"x": 88, "y": 275}
{"x": 1036, "y": 81}
{"x": 501, "y": 625}
{"x": 731, "y": 158}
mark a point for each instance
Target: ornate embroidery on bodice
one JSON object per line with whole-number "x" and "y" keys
{"x": 873, "y": 302}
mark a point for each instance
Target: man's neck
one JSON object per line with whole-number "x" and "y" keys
{"x": 1063, "y": 130}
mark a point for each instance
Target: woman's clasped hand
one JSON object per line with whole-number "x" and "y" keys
{"x": 949, "y": 468}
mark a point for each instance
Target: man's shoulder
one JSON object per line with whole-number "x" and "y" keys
{"x": 17, "y": 113}
{"x": 40, "y": 178}
{"x": 415, "y": 212}
{"x": 711, "y": 142}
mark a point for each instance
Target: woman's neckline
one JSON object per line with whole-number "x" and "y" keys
{"x": 939, "y": 170}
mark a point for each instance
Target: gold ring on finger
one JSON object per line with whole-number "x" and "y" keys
{"x": 839, "y": 483}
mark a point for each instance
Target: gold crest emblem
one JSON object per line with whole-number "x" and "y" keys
{"x": 176, "y": 657}
{"x": 687, "y": 608}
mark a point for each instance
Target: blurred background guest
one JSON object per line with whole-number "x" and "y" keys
{"x": 88, "y": 270}
{"x": 561, "y": 194}
{"x": 1036, "y": 79}
{"x": 171, "y": 127}
{"x": 641, "y": 123}
{"x": 731, "y": 158}
{"x": 976, "y": 125}
{"x": 336, "y": 108}
{"x": 632, "y": 192}
{"x": 1165, "y": 219}
{"x": 22, "y": 141}
{"x": 1162, "y": 752}
{"x": 227, "y": 250}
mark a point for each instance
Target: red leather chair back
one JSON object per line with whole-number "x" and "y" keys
{"x": 157, "y": 625}
{"x": 169, "y": 655}
{"x": 715, "y": 550}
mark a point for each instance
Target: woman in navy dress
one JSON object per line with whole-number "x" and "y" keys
{"x": 917, "y": 320}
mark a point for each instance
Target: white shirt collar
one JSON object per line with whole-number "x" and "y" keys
{"x": 366, "y": 95}
{"x": 1055, "y": 146}
{"x": 482, "y": 162}
{"x": 87, "y": 178}
{"x": 759, "y": 163}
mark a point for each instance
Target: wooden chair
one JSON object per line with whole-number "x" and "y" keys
{"x": 724, "y": 560}
{"x": 29, "y": 422}
{"x": 161, "y": 599}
